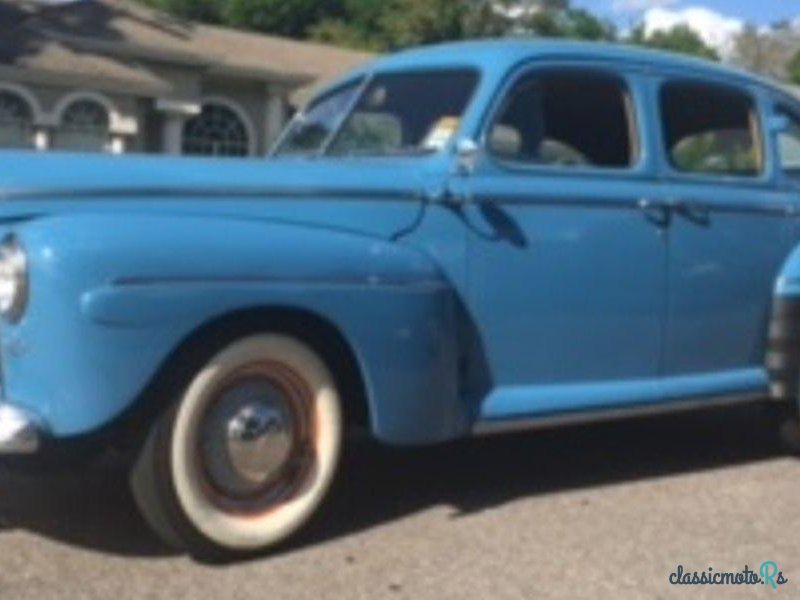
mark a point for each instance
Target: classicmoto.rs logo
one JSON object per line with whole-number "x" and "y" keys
{"x": 768, "y": 574}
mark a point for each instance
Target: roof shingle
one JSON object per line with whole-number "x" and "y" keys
{"x": 115, "y": 39}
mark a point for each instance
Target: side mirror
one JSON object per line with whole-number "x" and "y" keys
{"x": 466, "y": 155}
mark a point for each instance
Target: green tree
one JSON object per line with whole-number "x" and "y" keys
{"x": 482, "y": 19}
{"x": 583, "y": 25}
{"x": 382, "y": 25}
{"x": 392, "y": 24}
{"x": 553, "y": 18}
{"x": 291, "y": 18}
{"x": 207, "y": 11}
{"x": 414, "y": 22}
{"x": 793, "y": 68}
{"x": 681, "y": 38}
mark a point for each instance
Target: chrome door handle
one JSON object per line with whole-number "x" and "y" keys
{"x": 696, "y": 212}
{"x": 656, "y": 211}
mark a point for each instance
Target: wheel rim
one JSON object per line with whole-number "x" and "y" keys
{"x": 255, "y": 439}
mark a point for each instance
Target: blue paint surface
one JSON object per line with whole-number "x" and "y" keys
{"x": 546, "y": 291}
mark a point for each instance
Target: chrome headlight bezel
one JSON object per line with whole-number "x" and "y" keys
{"x": 13, "y": 278}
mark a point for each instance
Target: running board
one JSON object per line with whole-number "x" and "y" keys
{"x": 492, "y": 427}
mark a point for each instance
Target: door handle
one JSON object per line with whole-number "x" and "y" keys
{"x": 696, "y": 212}
{"x": 658, "y": 212}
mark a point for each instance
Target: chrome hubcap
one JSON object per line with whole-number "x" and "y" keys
{"x": 249, "y": 438}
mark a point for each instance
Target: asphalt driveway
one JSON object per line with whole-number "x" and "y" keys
{"x": 606, "y": 511}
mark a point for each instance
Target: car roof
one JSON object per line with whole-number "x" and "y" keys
{"x": 491, "y": 55}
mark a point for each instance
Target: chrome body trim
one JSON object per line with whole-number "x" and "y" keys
{"x": 494, "y": 427}
{"x": 159, "y": 193}
{"x": 20, "y": 430}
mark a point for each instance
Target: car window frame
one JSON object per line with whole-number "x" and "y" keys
{"x": 357, "y": 82}
{"x": 636, "y": 105}
{"x": 782, "y": 105}
{"x": 752, "y": 91}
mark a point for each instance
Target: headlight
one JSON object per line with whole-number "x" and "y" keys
{"x": 13, "y": 278}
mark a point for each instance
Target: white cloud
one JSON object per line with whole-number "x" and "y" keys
{"x": 716, "y": 29}
{"x": 640, "y": 5}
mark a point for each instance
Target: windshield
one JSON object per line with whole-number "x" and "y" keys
{"x": 398, "y": 113}
{"x": 309, "y": 130}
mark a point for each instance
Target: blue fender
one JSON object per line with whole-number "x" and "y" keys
{"x": 783, "y": 344}
{"x": 787, "y": 284}
{"x": 112, "y": 297}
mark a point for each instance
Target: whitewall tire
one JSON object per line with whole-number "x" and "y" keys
{"x": 248, "y": 453}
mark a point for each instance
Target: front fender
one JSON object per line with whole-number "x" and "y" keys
{"x": 113, "y": 296}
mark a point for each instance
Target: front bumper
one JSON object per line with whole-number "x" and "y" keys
{"x": 20, "y": 431}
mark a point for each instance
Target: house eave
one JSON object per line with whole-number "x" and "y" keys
{"x": 152, "y": 54}
{"x": 287, "y": 80}
{"x": 129, "y": 50}
{"x": 103, "y": 83}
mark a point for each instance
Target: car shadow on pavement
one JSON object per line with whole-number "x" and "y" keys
{"x": 87, "y": 507}
{"x": 93, "y": 508}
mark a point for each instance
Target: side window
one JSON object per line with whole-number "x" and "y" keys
{"x": 569, "y": 119}
{"x": 789, "y": 144}
{"x": 711, "y": 129}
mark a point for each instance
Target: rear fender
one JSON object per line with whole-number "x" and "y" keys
{"x": 783, "y": 345}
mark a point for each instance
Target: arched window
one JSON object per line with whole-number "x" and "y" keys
{"x": 217, "y": 131}
{"x": 85, "y": 126}
{"x": 16, "y": 121}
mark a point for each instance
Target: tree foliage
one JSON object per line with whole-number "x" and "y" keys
{"x": 680, "y": 38}
{"x": 391, "y": 24}
{"x": 291, "y": 18}
{"x": 207, "y": 11}
{"x": 793, "y": 68}
{"x": 395, "y": 24}
{"x": 383, "y": 25}
{"x": 771, "y": 50}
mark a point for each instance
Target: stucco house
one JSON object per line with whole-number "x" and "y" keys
{"x": 114, "y": 76}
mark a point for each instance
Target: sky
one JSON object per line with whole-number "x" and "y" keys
{"x": 716, "y": 20}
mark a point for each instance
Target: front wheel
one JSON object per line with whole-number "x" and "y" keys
{"x": 245, "y": 457}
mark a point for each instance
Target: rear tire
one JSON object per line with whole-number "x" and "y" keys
{"x": 790, "y": 434}
{"x": 247, "y": 454}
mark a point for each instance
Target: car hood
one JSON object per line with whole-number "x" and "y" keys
{"x": 376, "y": 196}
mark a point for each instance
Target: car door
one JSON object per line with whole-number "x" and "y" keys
{"x": 783, "y": 350}
{"x": 787, "y": 138}
{"x": 566, "y": 258}
{"x": 729, "y": 235}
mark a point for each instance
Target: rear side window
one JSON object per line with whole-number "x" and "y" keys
{"x": 567, "y": 119}
{"x": 711, "y": 129}
{"x": 789, "y": 144}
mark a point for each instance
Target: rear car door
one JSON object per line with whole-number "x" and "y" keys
{"x": 729, "y": 235}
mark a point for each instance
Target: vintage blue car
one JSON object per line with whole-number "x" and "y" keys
{"x": 458, "y": 240}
